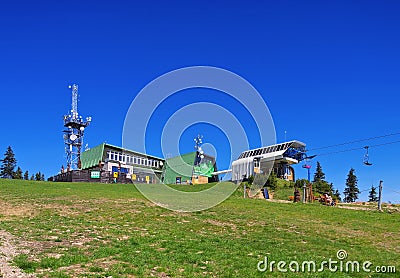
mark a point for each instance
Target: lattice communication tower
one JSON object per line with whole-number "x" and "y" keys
{"x": 73, "y": 134}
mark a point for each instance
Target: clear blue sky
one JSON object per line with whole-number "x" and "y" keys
{"x": 329, "y": 72}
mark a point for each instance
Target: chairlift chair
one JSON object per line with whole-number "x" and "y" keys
{"x": 366, "y": 157}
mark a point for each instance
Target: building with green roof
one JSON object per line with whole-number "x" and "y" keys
{"x": 135, "y": 166}
{"x": 109, "y": 163}
{"x": 190, "y": 168}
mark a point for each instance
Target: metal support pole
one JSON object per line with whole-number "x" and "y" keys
{"x": 244, "y": 190}
{"x": 380, "y": 196}
{"x": 304, "y": 192}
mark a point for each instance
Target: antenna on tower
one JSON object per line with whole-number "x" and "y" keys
{"x": 200, "y": 153}
{"x": 73, "y": 134}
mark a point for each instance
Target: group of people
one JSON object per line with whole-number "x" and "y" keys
{"x": 328, "y": 200}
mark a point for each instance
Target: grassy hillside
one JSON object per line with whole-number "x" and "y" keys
{"x": 101, "y": 230}
{"x": 283, "y": 190}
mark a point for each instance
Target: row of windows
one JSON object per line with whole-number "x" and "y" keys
{"x": 129, "y": 159}
{"x": 271, "y": 149}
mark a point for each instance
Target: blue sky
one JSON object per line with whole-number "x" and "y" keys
{"x": 329, "y": 72}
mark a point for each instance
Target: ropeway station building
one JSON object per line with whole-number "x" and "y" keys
{"x": 277, "y": 158}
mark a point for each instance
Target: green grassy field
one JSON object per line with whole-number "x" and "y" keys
{"x": 102, "y": 230}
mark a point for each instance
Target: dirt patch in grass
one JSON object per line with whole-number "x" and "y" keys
{"x": 9, "y": 210}
{"x": 77, "y": 207}
{"x": 220, "y": 224}
{"x": 96, "y": 266}
{"x": 8, "y": 250}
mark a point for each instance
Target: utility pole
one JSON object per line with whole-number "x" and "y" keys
{"x": 304, "y": 192}
{"x": 380, "y": 196}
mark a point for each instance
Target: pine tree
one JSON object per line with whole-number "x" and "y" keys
{"x": 372, "y": 195}
{"x": 320, "y": 185}
{"x": 18, "y": 174}
{"x": 38, "y": 176}
{"x": 351, "y": 191}
{"x": 8, "y": 164}
{"x": 300, "y": 183}
{"x": 32, "y": 177}
{"x": 272, "y": 181}
{"x": 26, "y": 175}
{"x": 337, "y": 195}
{"x": 42, "y": 177}
{"x": 319, "y": 175}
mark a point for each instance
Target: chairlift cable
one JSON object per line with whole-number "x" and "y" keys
{"x": 397, "y": 192}
{"x": 355, "y": 141}
{"x": 359, "y": 148}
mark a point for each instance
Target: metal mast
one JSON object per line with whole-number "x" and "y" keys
{"x": 200, "y": 153}
{"x": 73, "y": 134}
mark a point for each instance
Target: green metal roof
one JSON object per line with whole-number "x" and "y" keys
{"x": 179, "y": 166}
{"x": 92, "y": 157}
{"x": 138, "y": 153}
{"x": 204, "y": 169}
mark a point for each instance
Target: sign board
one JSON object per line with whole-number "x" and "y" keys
{"x": 133, "y": 177}
{"x": 95, "y": 174}
{"x": 204, "y": 169}
{"x": 115, "y": 174}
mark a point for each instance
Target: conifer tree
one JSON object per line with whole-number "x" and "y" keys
{"x": 38, "y": 176}
{"x": 8, "y": 164}
{"x": 32, "y": 177}
{"x": 319, "y": 175}
{"x": 26, "y": 175}
{"x": 337, "y": 195}
{"x": 372, "y": 195}
{"x": 351, "y": 191}
{"x": 320, "y": 185}
{"x": 18, "y": 174}
{"x": 272, "y": 181}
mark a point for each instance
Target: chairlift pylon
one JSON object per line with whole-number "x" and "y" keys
{"x": 366, "y": 157}
{"x": 307, "y": 165}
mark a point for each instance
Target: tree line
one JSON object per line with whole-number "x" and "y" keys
{"x": 7, "y": 168}
{"x": 351, "y": 190}
{"x": 322, "y": 186}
